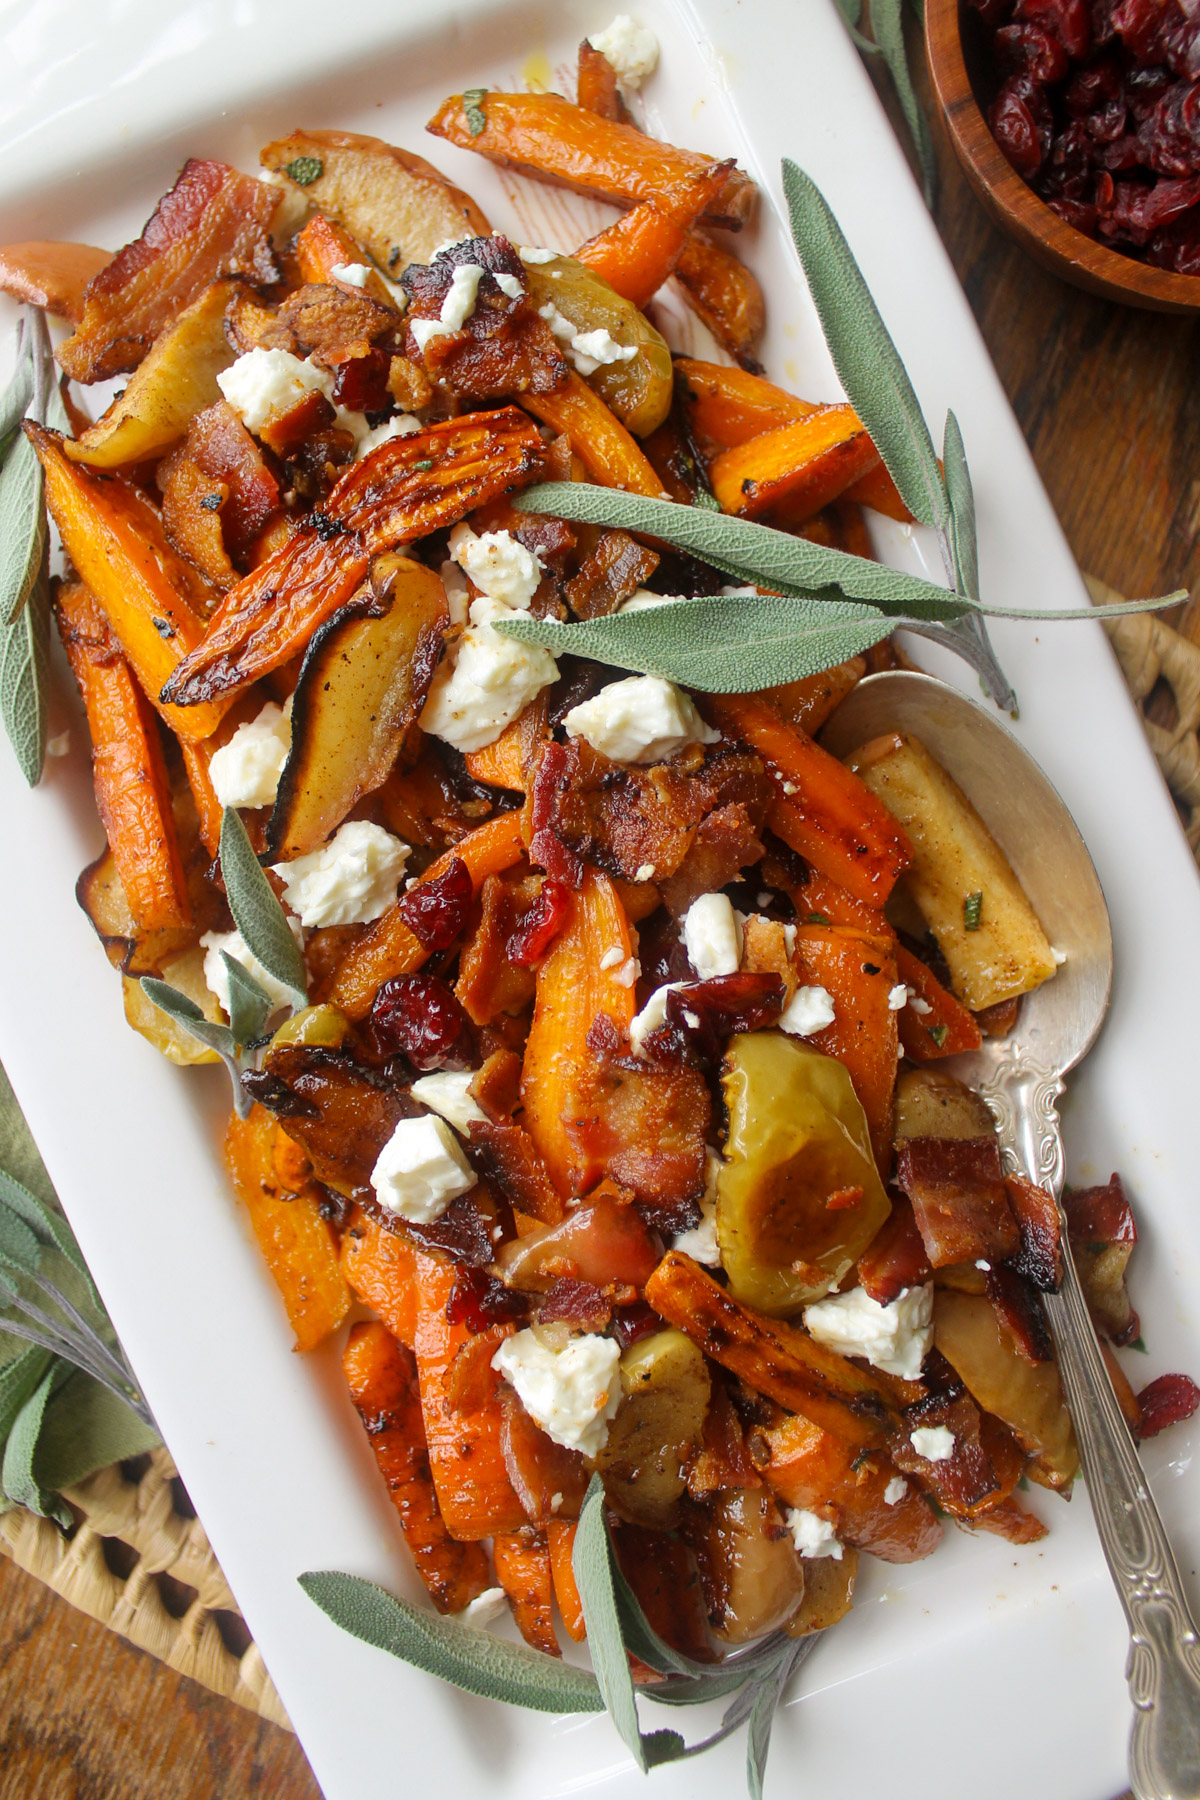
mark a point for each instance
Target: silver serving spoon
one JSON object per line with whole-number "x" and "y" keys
{"x": 1021, "y": 1078}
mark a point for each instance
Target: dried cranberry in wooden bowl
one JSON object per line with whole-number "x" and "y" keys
{"x": 1110, "y": 136}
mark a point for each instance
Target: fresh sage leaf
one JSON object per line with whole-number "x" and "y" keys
{"x": 887, "y": 25}
{"x": 18, "y": 1152}
{"x": 455, "y": 1652}
{"x": 256, "y": 911}
{"x": 22, "y": 527}
{"x": 249, "y": 1006}
{"x": 767, "y": 1695}
{"x": 17, "y": 1474}
{"x": 851, "y": 11}
{"x": 866, "y": 359}
{"x": 18, "y": 1380}
{"x": 962, "y": 509}
{"x": 14, "y": 401}
{"x": 49, "y": 1226}
{"x": 87, "y": 1427}
{"x": 19, "y": 1247}
{"x": 720, "y": 643}
{"x": 185, "y": 1012}
{"x": 24, "y": 649}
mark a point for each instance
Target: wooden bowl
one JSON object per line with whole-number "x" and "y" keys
{"x": 1011, "y": 202}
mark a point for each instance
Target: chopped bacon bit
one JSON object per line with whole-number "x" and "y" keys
{"x": 896, "y": 1258}
{"x": 436, "y": 911}
{"x": 967, "y": 1479}
{"x": 417, "y": 1016}
{"x": 1016, "y": 1301}
{"x": 702, "y": 1017}
{"x": 1102, "y": 1231}
{"x": 959, "y": 1199}
{"x": 496, "y": 1086}
{"x": 361, "y": 383}
{"x": 541, "y": 924}
{"x": 1040, "y": 1255}
{"x": 1009, "y": 1520}
{"x": 634, "y": 1322}
{"x": 723, "y": 1460}
{"x": 479, "y": 1300}
{"x": 219, "y": 444}
{"x": 1100, "y": 1215}
{"x": 511, "y": 1157}
{"x": 551, "y": 785}
{"x": 464, "y": 1232}
{"x": 579, "y": 1304}
{"x": 1167, "y": 1401}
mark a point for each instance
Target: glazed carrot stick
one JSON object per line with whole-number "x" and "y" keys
{"x": 133, "y": 794}
{"x": 380, "y": 1267}
{"x": 522, "y": 1561}
{"x": 817, "y": 894}
{"x": 878, "y": 490}
{"x": 806, "y": 463}
{"x": 610, "y": 454}
{"x": 560, "y": 1535}
{"x": 382, "y": 1379}
{"x": 859, "y": 973}
{"x": 322, "y": 247}
{"x": 637, "y": 253}
{"x": 466, "y": 1455}
{"x": 501, "y": 764}
{"x": 822, "y": 810}
{"x": 942, "y": 1026}
{"x": 809, "y": 701}
{"x": 389, "y": 947}
{"x": 727, "y": 297}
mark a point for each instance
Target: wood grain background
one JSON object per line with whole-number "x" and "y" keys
{"x": 1109, "y": 400}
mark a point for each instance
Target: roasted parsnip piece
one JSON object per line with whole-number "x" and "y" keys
{"x": 1026, "y": 1396}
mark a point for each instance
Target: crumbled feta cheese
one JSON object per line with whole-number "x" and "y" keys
{"x": 353, "y": 274}
{"x": 484, "y": 1608}
{"x": 896, "y": 1337}
{"x": 448, "y": 1092}
{"x": 809, "y": 1009}
{"x": 645, "y": 872}
{"x": 458, "y": 595}
{"x": 737, "y": 593}
{"x": 919, "y": 1006}
{"x": 556, "y": 1501}
{"x": 812, "y": 1535}
{"x": 627, "y": 974}
{"x": 499, "y": 565}
{"x": 572, "y": 1391}
{"x": 631, "y": 48}
{"x": 642, "y": 598}
{"x": 934, "y": 1442}
{"x": 402, "y": 426}
{"x": 263, "y": 383}
{"x": 246, "y": 770}
{"x": 789, "y": 939}
{"x": 420, "y": 1170}
{"x": 700, "y": 1243}
{"x": 642, "y": 720}
{"x": 1060, "y": 956}
{"x": 592, "y": 350}
{"x": 895, "y": 1491}
{"x": 981, "y": 1262}
{"x": 712, "y": 937}
{"x": 351, "y": 880}
{"x": 789, "y": 787}
{"x": 425, "y": 330}
{"x": 489, "y": 681}
{"x": 897, "y": 997}
{"x": 234, "y": 945}
{"x": 534, "y": 253}
{"x": 461, "y": 295}
{"x": 612, "y": 957}
{"x": 509, "y": 284}
{"x": 652, "y": 1015}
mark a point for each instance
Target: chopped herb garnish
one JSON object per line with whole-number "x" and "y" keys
{"x": 1139, "y": 1344}
{"x": 211, "y": 502}
{"x": 972, "y": 909}
{"x": 476, "y": 117}
{"x": 938, "y": 1034}
{"x": 425, "y": 463}
{"x": 304, "y": 170}
{"x": 816, "y": 919}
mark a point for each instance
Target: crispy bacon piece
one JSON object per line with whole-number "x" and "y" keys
{"x": 402, "y": 491}
{"x": 966, "y": 1481}
{"x": 580, "y": 1304}
{"x": 1168, "y": 1400}
{"x": 1009, "y": 1520}
{"x": 1103, "y": 1232}
{"x": 1016, "y": 1301}
{"x": 727, "y": 841}
{"x": 703, "y": 1016}
{"x": 511, "y": 1158}
{"x": 503, "y": 347}
{"x": 213, "y": 222}
{"x": 490, "y": 981}
{"x": 601, "y": 1241}
{"x": 335, "y": 324}
{"x": 896, "y": 1257}
{"x": 1040, "y": 1255}
{"x": 614, "y": 568}
{"x": 338, "y": 1110}
{"x": 959, "y": 1199}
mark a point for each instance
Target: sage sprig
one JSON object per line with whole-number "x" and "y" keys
{"x": 887, "y": 25}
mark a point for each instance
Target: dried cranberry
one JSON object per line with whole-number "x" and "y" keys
{"x": 1167, "y": 1401}
{"x": 1091, "y": 86}
{"x": 361, "y": 383}
{"x": 1014, "y": 130}
{"x": 993, "y": 12}
{"x": 1066, "y": 20}
{"x": 546, "y": 848}
{"x": 1177, "y": 246}
{"x": 418, "y": 1016}
{"x": 541, "y": 924}
{"x": 1138, "y": 211}
{"x": 632, "y": 1323}
{"x": 709, "y": 1012}
{"x": 478, "y": 1300}
{"x": 1030, "y": 48}
{"x": 436, "y": 911}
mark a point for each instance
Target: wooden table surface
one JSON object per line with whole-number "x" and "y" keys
{"x": 1109, "y": 400}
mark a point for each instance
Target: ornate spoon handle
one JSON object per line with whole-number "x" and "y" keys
{"x": 1163, "y": 1670}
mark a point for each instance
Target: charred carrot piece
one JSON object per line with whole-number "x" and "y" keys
{"x": 381, "y": 1269}
{"x": 727, "y": 297}
{"x": 501, "y": 764}
{"x": 941, "y": 1025}
{"x": 859, "y": 973}
{"x": 597, "y": 84}
{"x": 547, "y": 137}
{"x": 466, "y": 1453}
{"x": 55, "y": 276}
{"x": 805, "y": 464}
{"x": 609, "y": 453}
{"x": 522, "y": 1561}
{"x": 382, "y": 1378}
{"x": 637, "y": 253}
{"x": 816, "y": 894}
{"x": 133, "y": 795}
{"x": 322, "y": 247}
{"x": 725, "y": 407}
{"x": 572, "y": 991}
{"x": 809, "y": 701}
{"x": 390, "y": 948}
{"x": 560, "y": 1536}
{"x": 295, "y": 1240}
{"x": 877, "y": 489}
{"x": 822, "y": 810}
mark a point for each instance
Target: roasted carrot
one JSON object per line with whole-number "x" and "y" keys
{"x": 941, "y": 1025}
{"x": 637, "y": 253}
{"x": 560, "y": 1536}
{"x": 133, "y": 794}
{"x": 389, "y": 947}
{"x": 610, "y": 454}
{"x": 877, "y": 489}
{"x": 547, "y": 137}
{"x": 522, "y": 1560}
{"x": 805, "y": 464}
{"x": 382, "y": 1379}
{"x": 322, "y": 247}
{"x": 153, "y": 599}
{"x": 817, "y": 895}
{"x": 466, "y": 1456}
{"x": 380, "y": 1267}
{"x": 784, "y": 1364}
{"x": 810, "y": 1468}
{"x": 822, "y": 810}
{"x": 293, "y": 1237}
{"x": 859, "y": 973}
{"x": 809, "y": 701}
{"x": 501, "y": 764}
{"x": 727, "y": 297}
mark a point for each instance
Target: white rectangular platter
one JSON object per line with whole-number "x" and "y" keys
{"x": 987, "y": 1670}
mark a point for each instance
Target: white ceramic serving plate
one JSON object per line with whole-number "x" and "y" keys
{"x": 986, "y": 1670}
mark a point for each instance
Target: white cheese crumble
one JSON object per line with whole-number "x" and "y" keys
{"x": 264, "y": 383}
{"x": 448, "y": 1092}
{"x": 234, "y": 945}
{"x": 1060, "y": 956}
{"x": 934, "y": 1442}
{"x": 59, "y": 745}
{"x": 458, "y": 303}
{"x": 458, "y": 595}
{"x": 645, "y": 872}
{"x": 487, "y": 684}
{"x": 612, "y": 957}
{"x": 420, "y": 1170}
{"x": 425, "y": 330}
{"x": 895, "y": 1338}
{"x": 895, "y": 1491}
{"x": 484, "y": 1608}
{"x": 509, "y": 284}
{"x": 700, "y": 1243}
{"x": 351, "y": 880}
{"x": 652, "y": 1015}
{"x": 572, "y": 1391}
{"x": 812, "y": 1535}
{"x": 588, "y": 350}
{"x": 897, "y": 997}
{"x": 353, "y": 274}
{"x": 246, "y": 770}
{"x": 642, "y": 598}
{"x": 981, "y": 1262}
{"x": 499, "y": 565}
{"x": 809, "y": 1009}
{"x": 536, "y": 253}
{"x": 627, "y": 974}
{"x": 712, "y": 936}
{"x": 642, "y": 720}
{"x": 631, "y": 48}
{"x": 402, "y": 426}
{"x": 919, "y": 1006}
